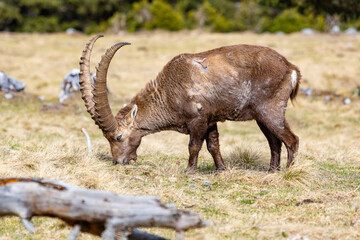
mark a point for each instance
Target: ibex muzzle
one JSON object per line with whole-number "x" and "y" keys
{"x": 192, "y": 93}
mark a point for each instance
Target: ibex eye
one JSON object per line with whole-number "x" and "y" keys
{"x": 118, "y": 137}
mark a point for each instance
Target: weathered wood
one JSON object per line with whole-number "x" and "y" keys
{"x": 88, "y": 140}
{"x": 96, "y": 212}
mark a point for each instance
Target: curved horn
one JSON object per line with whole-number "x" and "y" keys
{"x": 85, "y": 79}
{"x": 106, "y": 119}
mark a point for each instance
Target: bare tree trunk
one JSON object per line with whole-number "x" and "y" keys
{"x": 97, "y": 212}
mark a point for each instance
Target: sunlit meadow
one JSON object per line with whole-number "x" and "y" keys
{"x": 318, "y": 198}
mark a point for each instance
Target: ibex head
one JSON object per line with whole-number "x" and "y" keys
{"x": 120, "y": 131}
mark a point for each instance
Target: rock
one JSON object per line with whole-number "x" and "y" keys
{"x": 72, "y": 31}
{"x": 17, "y": 85}
{"x": 121, "y": 33}
{"x": 307, "y": 91}
{"x": 349, "y": 46}
{"x": 335, "y": 29}
{"x": 71, "y": 84}
{"x": 50, "y": 107}
{"x": 347, "y": 101}
{"x": 308, "y": 31}
{"x": 299, "y": 237}
{"x": 8, "y": 96}
{"x": 41, "y": 98}
{"x": 279, "y": 33}
{"x": 8, "y": 84}
{"x": 351, "y": 31}
{"x": 6, "y": 150}
{"x": 206, "y": 183}
{"x": 172, "y": 179}
{"x": 327, "y": 98}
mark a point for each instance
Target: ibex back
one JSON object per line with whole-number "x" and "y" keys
{"x": 192, "y": 93}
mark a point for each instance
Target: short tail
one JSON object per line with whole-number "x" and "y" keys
{"x": 295, "y": 83}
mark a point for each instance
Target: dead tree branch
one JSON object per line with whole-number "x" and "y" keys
{"x": 88, "y": 140}
{"x": 97, "y": 212}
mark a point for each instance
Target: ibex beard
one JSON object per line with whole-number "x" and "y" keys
{"x": 192, "y": 93}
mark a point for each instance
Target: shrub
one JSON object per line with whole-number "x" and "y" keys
{"x": 227, "y": 8}
{"x": 95, "y": 27}
{"x": 355, "y": 23}
{"x": 215, "y": 15}
{"x": 291, "y": 21}
{"x": 250, "y": 15}
{"x": 158, "y": 14}
{"x": 41, "y": 24}
{"x": 208, "y": 16}
{"x": 165, "y": 17}
{"x": 9, "y": 16}
{"x": 318, "y": 22}
{"x": 138, "y": 16}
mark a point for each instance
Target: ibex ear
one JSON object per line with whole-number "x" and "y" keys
{"x": 134, "y": 111}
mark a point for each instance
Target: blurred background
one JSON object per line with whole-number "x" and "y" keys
{"x": 42, "y": 113}
{"x": 90, "y": 16}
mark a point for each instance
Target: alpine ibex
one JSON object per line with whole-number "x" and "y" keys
{"x": 192, "y": 93}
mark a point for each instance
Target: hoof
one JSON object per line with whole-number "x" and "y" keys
{"x": 272, "y": 170}
{"x": 190, "y": 170}
{"x": 125, "y": 162}
{"x": 220, "y": 169}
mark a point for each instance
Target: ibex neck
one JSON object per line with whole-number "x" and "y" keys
{"x": 153, "y": 112}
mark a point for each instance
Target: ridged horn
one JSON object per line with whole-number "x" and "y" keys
{"x": 105, "y": 118}
{"x": 85, "y": 79}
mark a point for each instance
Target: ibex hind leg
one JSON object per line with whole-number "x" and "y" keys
{"x": 275, "y": 147}
{"x": 278, "y": 126}
{"x": 213, "y": 146}
{"x": 292, "y": 145}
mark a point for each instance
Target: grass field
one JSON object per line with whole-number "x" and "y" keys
{"x": 318, "y": 198}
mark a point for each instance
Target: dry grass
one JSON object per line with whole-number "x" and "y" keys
{"x": 318, "y": 197}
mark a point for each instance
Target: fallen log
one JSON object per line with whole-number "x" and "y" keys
{"x": 96, "y": 212}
